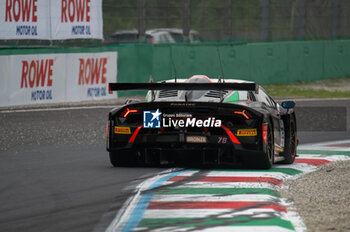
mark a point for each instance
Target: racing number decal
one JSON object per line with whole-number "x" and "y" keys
{"x": 222, "y": 140}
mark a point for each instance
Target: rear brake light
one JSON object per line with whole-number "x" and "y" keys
{"x": 264, "y": 133}
{"x": 244, "y": 113}
{"x": 128, "y": 111}
{"x": 110, "y": 89}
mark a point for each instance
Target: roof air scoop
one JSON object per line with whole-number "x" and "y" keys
{"x": 191, "y": 95}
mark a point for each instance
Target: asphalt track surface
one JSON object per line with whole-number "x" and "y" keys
{"x": 55, "y": 173}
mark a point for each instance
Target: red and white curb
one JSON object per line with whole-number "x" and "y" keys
{"x": 222, "y": 200}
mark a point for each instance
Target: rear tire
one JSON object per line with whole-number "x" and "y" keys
{"x": 267, "y": 161}
{"x": 290, "y": 149}
{"x": 120, "y": 158}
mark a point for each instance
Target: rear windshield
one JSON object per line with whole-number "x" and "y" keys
{"x": 125, "y": 38}
{"x": 177, "y": 37}
{"x": 130, "y": 38}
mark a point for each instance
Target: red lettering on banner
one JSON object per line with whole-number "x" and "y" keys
{"x": 16, "y": 15}
{"x": 35, "y": 9}
{"x": 80, "y": 10}
{"x": 63, "y": 11}
{"x": 77, "y": 11}
{"x": 104, "y": 70}
{"x": 8, "y": 11}
{"x": 24, "y": 73}
{"x": 92, "y": 71}
{"x": 81, "y": 72}
{"x": 31, "y": 77}
{"x": 41, "y": 72}
{"x": 88, "y": 11}
{"x": 25, "y": 8}
{"x": 88, "y": 73}
{"x": 49, "y": 75}
{"x": 96, "y": 71}
{"x": 71, "y": 10}
{"x": 36, "y": 72}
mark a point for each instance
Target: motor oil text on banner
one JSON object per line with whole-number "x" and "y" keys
{"x": 24, "y": 19}
{"x": 51, "y": 19}
{"x": 76, "y": 19}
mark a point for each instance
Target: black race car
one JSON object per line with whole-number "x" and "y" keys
{"x": 201, "y": 121}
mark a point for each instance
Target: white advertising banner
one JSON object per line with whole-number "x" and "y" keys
{"x": 5, "y": 76}
{"x": 71, "y": 19}
{"x": 35, "y": 79}
{"x": 88, "y": 75}
{"x": 24, "y": 19}
{"x": 54, "y": 78}
{"x": 51, "y": 19}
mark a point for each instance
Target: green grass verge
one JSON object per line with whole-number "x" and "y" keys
{"x": 302, "y": 90}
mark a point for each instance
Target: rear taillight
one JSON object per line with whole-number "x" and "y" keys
{"x": 128, "y": 111}
{"x": 264, "y": 132}
{"x": 244, "y": 113}
{"x": 110, "y": 89}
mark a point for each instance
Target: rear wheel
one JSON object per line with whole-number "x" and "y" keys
{"x": 290, "y": 149}
{"x": 267, "y": 160}
{"x": 120, "y": 158}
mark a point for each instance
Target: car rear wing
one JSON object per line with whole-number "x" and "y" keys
{"x": 184, "y": 86}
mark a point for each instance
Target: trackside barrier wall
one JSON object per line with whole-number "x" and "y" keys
{"x": 265, "y": 63}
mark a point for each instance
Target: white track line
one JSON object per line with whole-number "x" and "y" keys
{"x": 331, "y": 158}
{"x": 220, "y": 229}
{"x": 318, "y": 145}
{"x": 210, "y": 213}
{"x": 199, "y": 184}
{"x": 277, "y": 175}
{"x": 214, "y": 197}
{"x": 299, "y": 166}
{"x": 245, "y": 229}
{"x": 325, "y": 148}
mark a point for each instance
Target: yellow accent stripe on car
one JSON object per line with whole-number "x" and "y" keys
{"x": 122, "y": 130}
{"x": 247, "y": 132}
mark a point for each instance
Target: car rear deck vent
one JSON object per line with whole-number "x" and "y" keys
{"x": 215, "y": 93}
{"x": 167, "y": 93}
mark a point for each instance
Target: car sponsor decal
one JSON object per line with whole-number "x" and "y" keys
{"x": 247, "y": 132}
{"x": 122, "y": 130}
{"x": 196, "y": 139}
{"x": 151, "y": 119}
{"x": 220, "y": 199}
{"x": 156, "y": 119}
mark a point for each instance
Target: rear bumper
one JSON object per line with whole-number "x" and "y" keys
{"x": 154, "y": 138}
{"x": 185, "y": 153}
{"x": 200, "y": 146}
